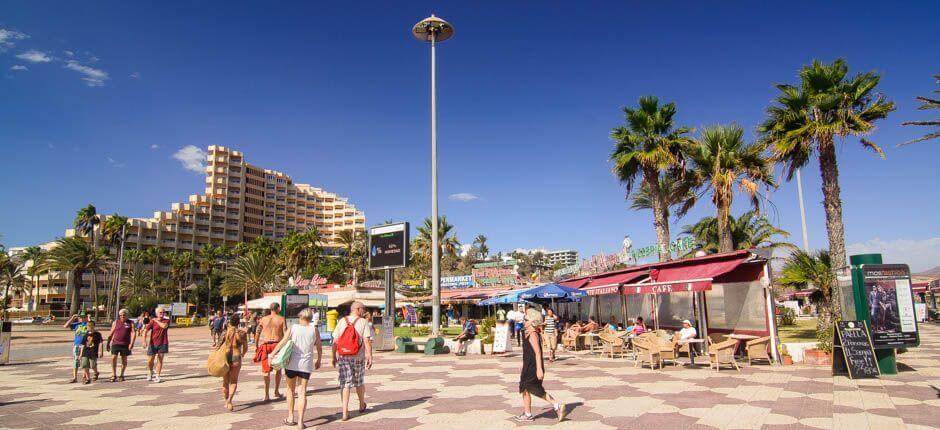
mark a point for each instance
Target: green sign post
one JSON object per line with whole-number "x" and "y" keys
{"x": 882, "y": 298}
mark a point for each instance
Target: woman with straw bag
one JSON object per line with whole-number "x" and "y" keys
{"x": 226, "y": 360}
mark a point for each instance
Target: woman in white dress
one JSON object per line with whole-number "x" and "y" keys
{"x": 305, "y": 338}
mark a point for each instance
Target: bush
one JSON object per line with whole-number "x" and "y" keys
{"x": 421, "y": 331}
{"x": 786, "y": 316}
{"x": 485, "y": 330}
{"x": 824, "y": 339}
{"x": 807, "y": 310}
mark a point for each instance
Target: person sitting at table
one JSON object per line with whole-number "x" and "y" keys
{"x": 639, "y": 327}
{"x": 612, "y": 325}
{"x": 686, "y": 333}
{"x": 569, "y": 339}
{"x": 591, "y": 326}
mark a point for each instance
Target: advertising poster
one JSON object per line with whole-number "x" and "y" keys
{"x": 891, "y": 305}
{"x": 294, "y": 303}
{"x": 388, "y": 246}
{"x": 501, "y": 338}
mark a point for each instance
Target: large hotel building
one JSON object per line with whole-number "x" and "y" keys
{"x": 241, "y": 202}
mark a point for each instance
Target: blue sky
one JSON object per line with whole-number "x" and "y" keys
{"x": 337, "y": 96}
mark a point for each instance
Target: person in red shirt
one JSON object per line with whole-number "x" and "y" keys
{"x": 157, "y": 342}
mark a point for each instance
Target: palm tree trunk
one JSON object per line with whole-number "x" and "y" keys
{"x": 660, "y": 217}
{"x": 725, "y": 243}
{"x": 832, "y": 202}
{"x": 6, "y": 302}
{"x": 75, "y": 275}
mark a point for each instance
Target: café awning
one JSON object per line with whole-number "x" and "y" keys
{"x": 610, "y": 284}
{"x": 686, "y": 277}
{"x": 669, "y": 287}
{"x": 920, "y": 287}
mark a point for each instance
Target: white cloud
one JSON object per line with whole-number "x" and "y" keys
{"x": 154, "y": 146}
{"x": 920, "y": 254}
{"x": 464, "y": 197}
{"x": 115, "y": 163}
{"x": 69, "y": 53}
{"x": 35, "y": 56}
{"x": 93, "y": 77}
{"x": 19, "y": 67}
{"x": 8, "y": 38}
{"x": 193, "y": 158}
{"x": 135, "y": 75}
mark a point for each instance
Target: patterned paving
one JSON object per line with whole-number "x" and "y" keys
{"x": 414, "y": 391}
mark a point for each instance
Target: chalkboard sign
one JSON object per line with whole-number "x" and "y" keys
{"x": 852, "y": 351}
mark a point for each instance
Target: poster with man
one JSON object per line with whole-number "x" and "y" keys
{"x": 890, "y": 305}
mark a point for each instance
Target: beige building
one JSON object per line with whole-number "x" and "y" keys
{"x": 241, "y": 202}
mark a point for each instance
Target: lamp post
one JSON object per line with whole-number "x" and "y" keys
{"x": 433, "y": 29}
{"x": 799, "y": 190}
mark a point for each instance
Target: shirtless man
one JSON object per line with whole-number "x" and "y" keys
{"x": 270, "y": 331}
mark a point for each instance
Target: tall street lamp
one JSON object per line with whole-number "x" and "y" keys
{"x": 433, "y": 29}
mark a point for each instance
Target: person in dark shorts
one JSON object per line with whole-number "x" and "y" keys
{"x": 91, "y": 351}
{"x": 533, "y": 369}
{"x": 217, "y": 326}
{"x": 121, "y": 343}
{"x": 306, "y": 339}
{"x": 157, "y": 341}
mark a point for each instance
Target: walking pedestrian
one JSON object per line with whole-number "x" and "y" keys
{"x": 551, "y": 334}
{"x": 91, "y": 351}
{"x": 142, "y": 322}
{"x": 157, "y": 343}
{"x": 121, "y": 343}
{"x": 79, "y": 326}
{"x": 235, "y": 340}
{"x": 352, "y": 350}
{"x": 216, "y": 327}
{"x": 533, "y": 369}
{"x": 268, "y": 336}
{"x": 305, "y": 338}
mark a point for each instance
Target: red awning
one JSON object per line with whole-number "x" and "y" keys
{"x": 602, "y": 289}
{"x": 610, "y": 284}
{"x": 577, "y": 283}
{"x": 920, "y": 287}
{"x": 668, "y": 287}
{"x": 709, "y": 270}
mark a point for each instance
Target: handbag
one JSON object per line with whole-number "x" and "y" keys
{"x": 217, "y": 364}
{"x": 282, "y": 356}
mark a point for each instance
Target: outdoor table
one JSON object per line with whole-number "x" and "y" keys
{"x": 691, "y": 352}
{"x": 741, "y": 338}
{"x": 589, "y": 337}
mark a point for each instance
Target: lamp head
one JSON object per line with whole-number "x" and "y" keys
{"x": 442, "y": 30}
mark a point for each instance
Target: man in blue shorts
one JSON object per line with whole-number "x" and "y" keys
{"x": 79, "y": 325}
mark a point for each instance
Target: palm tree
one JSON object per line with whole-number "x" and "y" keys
{"x": 34, "y": 255}
{"x": 207, "y": 258}
{"x": 251, "y": 274}
{"x": 806, "y": 120}
{"x": 722, "y": 160}
{"x": 11, "y": 275}
{"x": 750, "y": 230}
{"x": 480, "y": 243}
{"x": 136, "y": 283}
{"x": 804, "y": 269}
{"x": 75, "y": 256}
{"x": 299, "y": 250}
{"x": 181, "y": 263}
{"x": 155, "y": 255}
{"x": 928, "y": 103}
{"x": 446, "y": 240}
{"x": 114, "y": 232}
{"x": 86, "y": 219}
{"x": 648, "y": 145}
{"x": 673, "y": 192}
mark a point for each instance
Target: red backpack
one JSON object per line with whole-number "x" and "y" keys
{"x": 348, "y": 341}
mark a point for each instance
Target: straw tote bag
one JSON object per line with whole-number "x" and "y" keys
{"x": 217, "y": 365}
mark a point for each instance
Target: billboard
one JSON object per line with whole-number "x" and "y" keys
{"x": 890, "y": 305}
{"x": 462, "y": 281}
{"x": 388, "y": 246}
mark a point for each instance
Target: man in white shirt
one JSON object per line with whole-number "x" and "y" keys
{"x": 687, "y": 332}
{"x": 352, "y": 367}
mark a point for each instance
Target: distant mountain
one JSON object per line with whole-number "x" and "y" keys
{"x": 932, "y": 273}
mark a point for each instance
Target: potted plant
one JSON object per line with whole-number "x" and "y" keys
{"x": 785, "y": 357}
{"x": 822, "y": 354}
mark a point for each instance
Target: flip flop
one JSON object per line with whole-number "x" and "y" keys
{"x": 363, "y": 408}
{"x": 289, "y": 423}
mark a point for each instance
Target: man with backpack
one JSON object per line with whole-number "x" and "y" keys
{"x": 352, "y": 350}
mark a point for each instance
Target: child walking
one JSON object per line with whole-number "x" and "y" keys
{"x": 91, "y": 351}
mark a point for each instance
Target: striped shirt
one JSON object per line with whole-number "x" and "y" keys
{"x": 549, "y": 325}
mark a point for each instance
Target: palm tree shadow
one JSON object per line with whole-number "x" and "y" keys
{"x": 398, "y": 404}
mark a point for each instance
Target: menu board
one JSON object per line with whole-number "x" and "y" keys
{"x": 890, "y": 305}
{"x": 852, "y": 351}
{"x": 501, "y": 338}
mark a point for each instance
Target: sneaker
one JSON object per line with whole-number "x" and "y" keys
{"x": 149, "y": 377}
{"x": 562, "y": 410}
{"x": 156, "y": 379}
{"x": 524, "y": 418}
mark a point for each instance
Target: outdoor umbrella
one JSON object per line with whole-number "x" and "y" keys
{"x": 552, "y": 292}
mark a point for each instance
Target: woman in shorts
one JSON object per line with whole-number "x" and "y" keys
{"x": 236, "y": 343}
{"x": 306, "y": 338}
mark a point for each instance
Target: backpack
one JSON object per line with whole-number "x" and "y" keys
{"x": 348, "y": 342}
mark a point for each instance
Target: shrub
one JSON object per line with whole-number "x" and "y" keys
{"x": 824, "y": 339}
{"x": 786, "y": 316}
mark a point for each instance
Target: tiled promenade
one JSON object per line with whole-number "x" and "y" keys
{"x": 475, "y": 393}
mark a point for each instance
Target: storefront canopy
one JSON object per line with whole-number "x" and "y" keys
{"x": 552, "y": 292}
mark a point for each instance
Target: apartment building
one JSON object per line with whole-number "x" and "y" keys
{"x": 565, "y": 257}
{"x": 241, "y": 202}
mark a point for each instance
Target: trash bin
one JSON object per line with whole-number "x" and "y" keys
{"x": 6, "y": 337}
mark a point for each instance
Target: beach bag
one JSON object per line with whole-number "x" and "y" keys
{"x": 348, "y": 341}
{"x": 280, "y": 359}
{"x": 217, "y": 365}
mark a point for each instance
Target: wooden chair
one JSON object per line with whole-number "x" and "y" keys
{"x": 569, "y": 341}
{"x": 758, "y": 349}
{"x": 611, "y": 344}
{"x": 647, "y": 352}
{"x": 723, "y": 353}
{"x": 667, "y": 350}
{"x": 714, "y": 338}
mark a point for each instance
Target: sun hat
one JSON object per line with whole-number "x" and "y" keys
{"x": 533, "y": 316}
{"x": 686, "y": 322}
